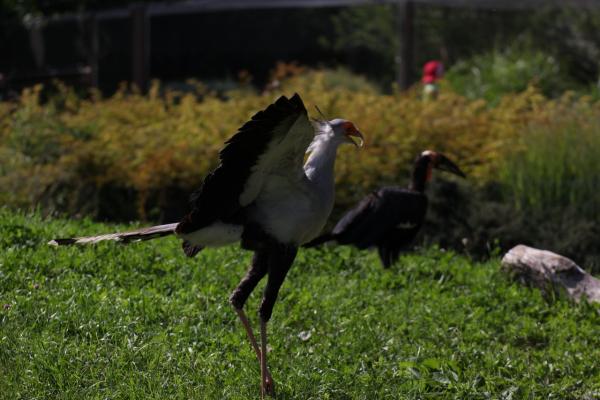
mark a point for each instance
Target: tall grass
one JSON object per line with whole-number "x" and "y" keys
{"x": 556, "y": 166}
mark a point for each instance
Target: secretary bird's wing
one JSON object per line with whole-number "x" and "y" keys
{"x": 273, "y": 142}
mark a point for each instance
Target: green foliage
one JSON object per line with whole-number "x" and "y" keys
{"x": 144, "y": 321}
{"x": 556, "y": 165}
{"x": 497, "y": 73}
{"x": 557, "y": 47}
{"x": 482, "y": 221}
{"x": 369, "y": 35}
{"x": 573, "y": 36}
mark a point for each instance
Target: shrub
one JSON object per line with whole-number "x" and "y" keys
{"x": 480, "y": 222}
{"x": 492, "y": 75}
{"x": 145, "y": 147}
{"x": 78, "y": 151}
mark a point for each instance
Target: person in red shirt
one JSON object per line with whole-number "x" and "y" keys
{"x": 432, "y": 71}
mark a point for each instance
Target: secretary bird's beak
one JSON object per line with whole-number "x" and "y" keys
{"x": 356, "y": 133}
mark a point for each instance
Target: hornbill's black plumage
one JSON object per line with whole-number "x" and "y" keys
{"x": 264, "y": 196}
{"x": 391, "y": 217}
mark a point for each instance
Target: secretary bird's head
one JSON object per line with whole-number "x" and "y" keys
{"x": 338, "y": 130}
{"x": 345, "y": 130}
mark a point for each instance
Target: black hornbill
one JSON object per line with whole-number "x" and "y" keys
{"x": 390, "y": 218}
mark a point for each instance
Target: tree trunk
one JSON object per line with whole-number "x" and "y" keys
{"x": 550, "y": 271}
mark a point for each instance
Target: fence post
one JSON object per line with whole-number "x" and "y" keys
{"x": 93, "y": 54}
{"x": 140, "y": 62}
{"x": 405, "y": 51}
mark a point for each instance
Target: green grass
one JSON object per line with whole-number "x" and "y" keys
{"x": 144, "y": 322}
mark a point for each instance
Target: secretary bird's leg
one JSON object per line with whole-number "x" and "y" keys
{"x": 258, "y": 269}
{"x": 242, "y": 316}
{"x": 267, "y": 385}
{"x": 280, "y": 261}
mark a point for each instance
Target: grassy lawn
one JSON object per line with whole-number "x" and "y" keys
{"x": 145, "y": 322}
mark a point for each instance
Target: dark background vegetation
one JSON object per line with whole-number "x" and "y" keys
{"x": 216, "y": 46}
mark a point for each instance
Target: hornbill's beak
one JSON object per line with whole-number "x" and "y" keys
{"x": 443, "y": 163}
{"x": 355, "y": 133}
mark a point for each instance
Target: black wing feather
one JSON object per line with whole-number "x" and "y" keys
{"x": 218, "y": 196}
{"x": 379, "y": 218}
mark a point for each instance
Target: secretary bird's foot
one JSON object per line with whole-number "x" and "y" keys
{"x": 267, "y": 387}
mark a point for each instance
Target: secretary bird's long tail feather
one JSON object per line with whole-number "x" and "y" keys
{"x": 121, "y": 237}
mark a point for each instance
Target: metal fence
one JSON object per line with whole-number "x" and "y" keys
{"x": 210, "y": 39}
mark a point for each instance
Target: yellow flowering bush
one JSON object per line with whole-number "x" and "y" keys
{"x": 66, "y": 152}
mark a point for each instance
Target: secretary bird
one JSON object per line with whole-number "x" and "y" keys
{"x": 391, "y": 217}
{"x": 264, "y": 196}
